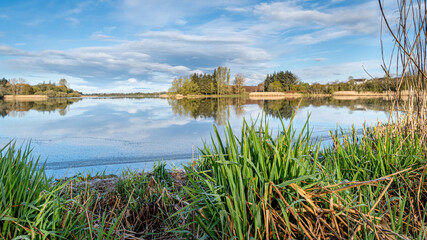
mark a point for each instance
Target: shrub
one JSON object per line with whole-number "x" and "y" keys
{"x": 74, "y": 94}
{"x": 61, "y": 94}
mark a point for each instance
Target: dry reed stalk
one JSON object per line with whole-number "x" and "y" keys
{"x": 411, "y": 65}
{"x": 316, "y": 222}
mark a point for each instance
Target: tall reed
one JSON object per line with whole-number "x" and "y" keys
{"x": 408, "y": 63}
{"x": 236, "y": 196}
{"x": 30, "y": 205}
{"x": 261, "y": 185}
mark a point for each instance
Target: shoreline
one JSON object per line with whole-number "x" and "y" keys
{"x": 25, "y": 97}
{"x": 339, "y": 95}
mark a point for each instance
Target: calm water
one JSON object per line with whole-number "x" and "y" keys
{"x": 94, "y": 134}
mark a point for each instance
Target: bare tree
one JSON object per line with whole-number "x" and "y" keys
{"x": 222, "y": 80}
{"x": 239, "y": 81}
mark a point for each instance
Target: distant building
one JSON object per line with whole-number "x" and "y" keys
{"x": 359, "y": 81}
{"x": 258, "y": 88}
{"x": 250, "y": 89}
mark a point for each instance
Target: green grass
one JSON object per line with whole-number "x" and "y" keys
{"x": 269, "y": 186}
{"x": 31, "y": 206}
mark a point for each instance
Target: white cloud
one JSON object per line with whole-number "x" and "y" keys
{"x": 354, "y": 19}
{"x": 176, "y": 35}
{"x": 9, "y": 51}
{"x": 255, "y": 78}
{"x": 163, "y": 53}
{"x": 73, "y": 21}
{"x": 132, "y": 80}
{"x": 99, "y": 36}
{"x": 318, "y": 36}
{"x": 238, "y": 9}
{"x": 132, "y": 110}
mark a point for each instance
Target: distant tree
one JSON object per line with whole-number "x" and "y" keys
{"x": 287, "y": 79}
{"x": 13, "y": 88}
{"x": 74, "y": 94}
{"x": 63, "y": 82}
{"x": 176, "y": 85}
{"x": 50, "y": 93}
{"x": 24, "y": 89}
{"x": 61, "y": 94}
{"x": 205, "y": 82}
{"x": 222, "y": 75}
{"x": 239, "y": 81}
{"x": 275, "y": 87}
{"x": 3, "y": 82}
{"x": 3, "y": 87}
{"x": 189, "y": 87}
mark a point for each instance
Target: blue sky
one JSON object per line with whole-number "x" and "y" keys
{"x": 141, "y": 45}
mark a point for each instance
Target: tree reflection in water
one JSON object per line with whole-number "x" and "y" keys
{"x": 220, "y": 108}
{"x": 19, "y": 108}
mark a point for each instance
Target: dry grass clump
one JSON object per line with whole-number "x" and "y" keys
{"x": 132, "y": 206}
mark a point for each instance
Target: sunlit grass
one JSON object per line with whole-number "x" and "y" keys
{"x": 266, "y": 186}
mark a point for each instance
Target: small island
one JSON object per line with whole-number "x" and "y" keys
{"x": 20, "y": 89}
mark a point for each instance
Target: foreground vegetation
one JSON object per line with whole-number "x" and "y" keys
{"x": 266, "y": 187}
{"x": 257, "y": 184}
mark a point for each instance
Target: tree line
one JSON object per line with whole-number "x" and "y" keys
{"x": 358, "y": 85}
{"x": 22, "y": 87}
{"x": 217, "y": 83}
{"x": 287, "y": 81}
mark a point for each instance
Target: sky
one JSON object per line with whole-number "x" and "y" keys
{"x": 141, "y": 45}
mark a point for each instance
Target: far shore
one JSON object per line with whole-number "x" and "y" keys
{"x": 339, "y": 95}
{"x": 180, "y": 96}
{"x": 25, "y": 97}
{"x": 273, "y": 95}
{"x": 89, "y": 96}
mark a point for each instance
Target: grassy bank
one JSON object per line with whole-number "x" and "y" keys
{"x": 260, "y": 185}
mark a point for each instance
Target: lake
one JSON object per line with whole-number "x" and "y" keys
{"x": 112, "y": 134}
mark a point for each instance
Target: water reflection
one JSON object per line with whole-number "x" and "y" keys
{"x": 20, "y": 108}
{"x": 220, "y": 108}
